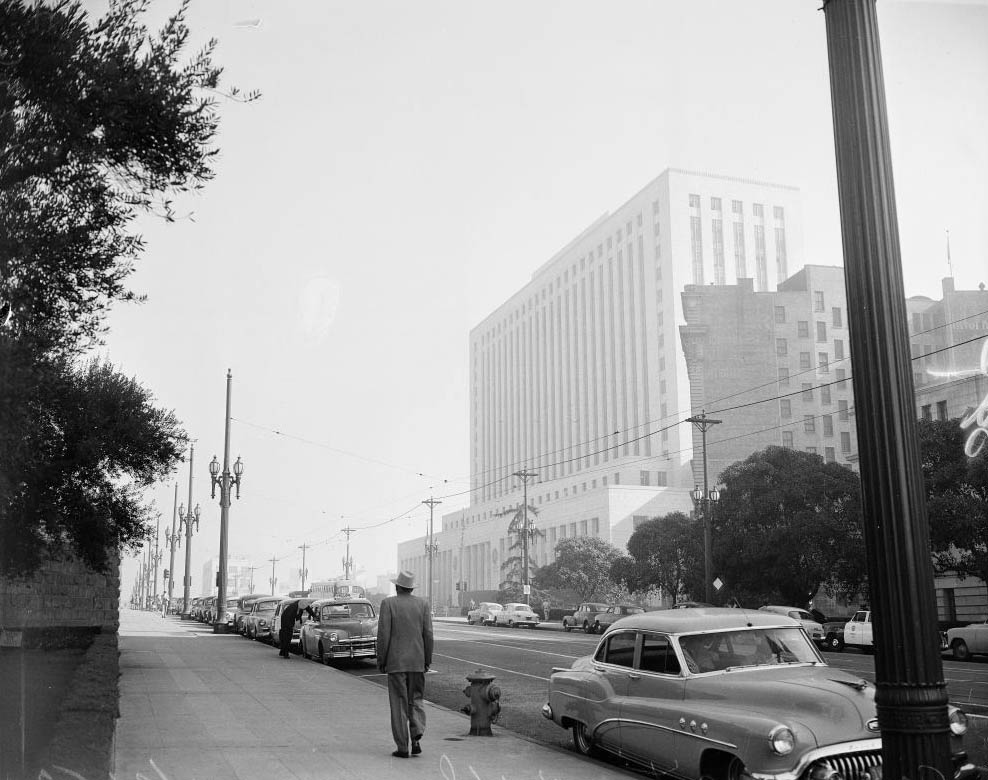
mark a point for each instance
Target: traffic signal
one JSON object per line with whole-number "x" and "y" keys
{"x": 166, "y": 575}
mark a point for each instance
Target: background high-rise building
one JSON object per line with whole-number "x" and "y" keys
{"x": 773, "y": 367}
{"x": 580, "y": 378}
{"x": 238, "y": 576}
{"x": 947, "y": 338}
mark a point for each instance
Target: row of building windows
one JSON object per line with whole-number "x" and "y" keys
{"x": 737, "y": 207}
{"x": 927, "y": 411}
{"x": 803, "y": 326}
{"x": 829, "y": 452}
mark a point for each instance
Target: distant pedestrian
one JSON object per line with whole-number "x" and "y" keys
{"x": 404, "y": 653}
{"x": 545, "y": 609}
{"x": 289, "y": 616}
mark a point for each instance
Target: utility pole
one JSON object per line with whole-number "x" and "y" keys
{"x": 347, "y": 561}
{"x": 273, "y": 580}
{"x": 703, "y": 423}
{"x": 430, "y": 546}
{"x": 303, "y": 571}
{"x": 250, "y": 587}
{"x": 524, "y": 476}
{"x": 911, "y": 695}
{"x": 460, "y": 572}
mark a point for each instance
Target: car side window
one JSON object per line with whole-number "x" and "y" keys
{"x": 658, "y": 655}
{"x": 618, "y": 649}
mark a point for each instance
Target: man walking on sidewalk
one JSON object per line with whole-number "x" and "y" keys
{"x": 404, "y": 652}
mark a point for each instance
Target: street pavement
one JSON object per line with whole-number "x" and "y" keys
{"x": 194, "y": 704}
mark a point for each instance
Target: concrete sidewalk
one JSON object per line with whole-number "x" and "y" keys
{"x": 198, "y": 705}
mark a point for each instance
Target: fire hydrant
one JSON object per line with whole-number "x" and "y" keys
{"x": 484, "y": 706}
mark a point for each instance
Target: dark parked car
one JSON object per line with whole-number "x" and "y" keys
{"x": 342, "y": 628}
{"x": 583, "y": 617}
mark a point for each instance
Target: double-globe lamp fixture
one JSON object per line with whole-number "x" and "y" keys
{"x": 702, "y": 502}
{"x": 186, "y": 519}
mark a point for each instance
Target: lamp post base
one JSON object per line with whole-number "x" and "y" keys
{"x": 186, "y": 616}
{"x": 221, "y": 628}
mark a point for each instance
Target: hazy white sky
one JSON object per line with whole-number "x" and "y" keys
{"x": 411, "y": 164}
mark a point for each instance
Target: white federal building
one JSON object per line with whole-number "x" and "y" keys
{"x": 580, "y": 378}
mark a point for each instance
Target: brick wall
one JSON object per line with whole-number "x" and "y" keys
{"x": 63, "y": 595}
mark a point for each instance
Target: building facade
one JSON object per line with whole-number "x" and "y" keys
{"x": 579, "y": 380}
{"x": 947, "y": 339}
{"x": 239, "y": 576}
{"x": 773, "y": 367}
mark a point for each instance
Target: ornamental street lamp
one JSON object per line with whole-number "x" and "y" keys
{"x": 702, "y": 500}
{"x": 187, "y": 519}
{"x": 224, "y": 480}
{"x": 174, "y": 539}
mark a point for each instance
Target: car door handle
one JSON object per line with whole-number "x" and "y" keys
{"x": 634, "y": 676}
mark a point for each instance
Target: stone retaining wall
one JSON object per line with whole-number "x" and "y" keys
{"x": 62, "y": 600}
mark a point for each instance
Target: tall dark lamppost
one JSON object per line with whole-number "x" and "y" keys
{"x": 173, "y": 538}
{"x": 187, "y": 519}
{"x": 224, "y": 480}
{"x": 702, "y": 500}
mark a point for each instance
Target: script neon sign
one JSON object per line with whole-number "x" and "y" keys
{"x": 979, "y": 417}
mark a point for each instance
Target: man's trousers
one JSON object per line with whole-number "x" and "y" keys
{"x": 406, "y": 692}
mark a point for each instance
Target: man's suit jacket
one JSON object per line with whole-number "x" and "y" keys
{"x": 404, "y": 634}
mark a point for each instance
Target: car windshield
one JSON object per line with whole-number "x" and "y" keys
{"x": 746, "y": 648}
{"x": 346, "y": 612}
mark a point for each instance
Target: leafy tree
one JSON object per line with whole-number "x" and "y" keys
{"x": 582, "y": 564}
{"x": 666, "y": 553}
{"x": 956, "y": 498}
{"x": 785, "y": 524}
{"x": 98, "y": 123}
{"x": 88, "y": 442}
{"x": 513, "y": 567}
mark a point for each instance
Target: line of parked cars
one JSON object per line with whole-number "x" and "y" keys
{"x": 327, "y": 629}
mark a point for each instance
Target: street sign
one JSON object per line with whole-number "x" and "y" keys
{"x": 526, "y": 589}
{"x": 718, "y": 584}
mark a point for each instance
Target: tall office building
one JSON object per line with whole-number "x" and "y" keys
{"x": 579, "y": 377}
{"x": 773, "y": 367}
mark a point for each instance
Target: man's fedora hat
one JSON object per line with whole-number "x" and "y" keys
{"x": 405, "y": 579}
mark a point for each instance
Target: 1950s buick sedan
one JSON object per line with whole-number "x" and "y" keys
{"x": 723, "y": 694}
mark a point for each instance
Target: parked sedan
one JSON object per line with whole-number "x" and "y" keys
{"x": 340, "y": 628}
{"x": 260, "y": 617}
{"x": 604, "y": 620}
{"x": 244, "y": 606}
{"x": 583, "y": 617}
{"x": 516, "y": 615}
{"x": 722, "y": 694}
{"x": 814, "y": 629}
{"x": 300, "y": 618}
{"x": 484, "y": 614}
{"x": 965, "y": 641}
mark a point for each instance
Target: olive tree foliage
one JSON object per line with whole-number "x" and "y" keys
{"x": 956, "y": 487}
{"x": 99, "y": 122}
{"x": 665, "y": 553}
{"x": 787, "y": 523}
{"x": 583, "y": 564}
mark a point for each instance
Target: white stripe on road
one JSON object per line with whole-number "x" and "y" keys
{"x": 488, "y": 666}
